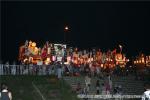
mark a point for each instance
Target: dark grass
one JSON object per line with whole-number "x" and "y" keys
{"x": 50, "y": 87}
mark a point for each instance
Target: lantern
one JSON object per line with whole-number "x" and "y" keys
{"x": 33, "y": 44}
{"x": 143, "y": 61}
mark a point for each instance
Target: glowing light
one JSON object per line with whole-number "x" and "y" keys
{"x": 134, "y": 62}
{"x": 102, "y": 65}
{"x": 66, "y": 63}
{"x": 120, "y": 46}
{"x": 48, "y": 59}
{"x": 33, "y": 44}
{"x": 66, "y": 28}
{"x": 25, "y": 60}
{"x": 143, "y": 60}
{"x": 46, "y": 63}
{"x": 30, "y": 59}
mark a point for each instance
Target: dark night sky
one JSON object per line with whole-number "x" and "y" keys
{"x": 101, "y": 24}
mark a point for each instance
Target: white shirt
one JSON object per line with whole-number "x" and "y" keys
{"x": 9, "y": 94}
{"x": 146, "y": 95}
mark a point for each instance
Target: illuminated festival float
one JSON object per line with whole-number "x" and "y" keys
{"x": 142, "y": 61}
{"x": 30, "y": 53}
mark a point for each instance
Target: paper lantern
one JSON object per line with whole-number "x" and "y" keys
{"x": 33, "y": 44}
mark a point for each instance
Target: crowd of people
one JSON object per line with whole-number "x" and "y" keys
{"x": 66, "y": 69}
{"x": 103, "y": 88}
{"x": 58, "y": 69}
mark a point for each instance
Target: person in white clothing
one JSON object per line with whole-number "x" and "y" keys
{"x": 110, "y": 82}
{"x": 87, "y": 82}
{"x": 13, "y": 69}
{"x": 5, "y": 94}
{"x": 146, "y": 95}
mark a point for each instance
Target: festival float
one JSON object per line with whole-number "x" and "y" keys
{"x": 111, "y": 58}
{"x": 30, "y": 53}
{"x": 142, "y": 61}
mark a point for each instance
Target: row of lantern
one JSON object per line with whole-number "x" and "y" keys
{"x": 107, "y": 62}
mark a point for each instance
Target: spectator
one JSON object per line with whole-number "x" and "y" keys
{"x": 87, "y": 82}
{"x": 13, "y": 68}
{"x": 120, "y": 89}
{"x": 110, "y": 82}
{"x": 146, "y": 95}
{"x": 59, "y": 71}
{"x": 98, "y": 71}
{"x": 78, "y": 89}
{"x": 85, "y": 92}
{"x": 107, "y": 86}
{"x": 97, "y": 87}
{"x": 6, "y": 68}
{"x": 5, "y": 94}
{"x": 103, "y": 89}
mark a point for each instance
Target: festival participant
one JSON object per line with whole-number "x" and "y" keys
{"x": 44, "y": 52}
{"x": 44, "y": 70}
{"x": 66, "y": 70}
{"x": 87, "y": 69}
{"x": 85, "y": 92}
{"x": 6, "y": 68}
{"x": 13, "y": 69}
{"x": 22, "y": 68}
{"x": 97, "y": 87}
{"x": 146, "y": 95}
{"x": 107, "y": 86}
{"x": 25, "y": 70}
{"x": 71, "y": 68}
{"x": 30, "y": 69}
{"x": 110, "y": 82}
{"x": 120, "y": 89}
{"x": 5, "y": 94}
{"x": 92, "y": 70}
{"x": 115, "y": 90}
{"x": 59, "y": 71}
{"x": 78, "y": 89}
{"x": 82, "y": 69}
{"x": 87, "y": 82}
{"x": 103, "y": 89}
{"x": 97, "y": 71}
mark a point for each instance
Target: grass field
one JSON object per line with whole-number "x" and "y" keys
{"x": 25, "y": 88}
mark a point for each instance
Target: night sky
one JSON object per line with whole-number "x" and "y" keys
{"x": 92, "y": 24}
